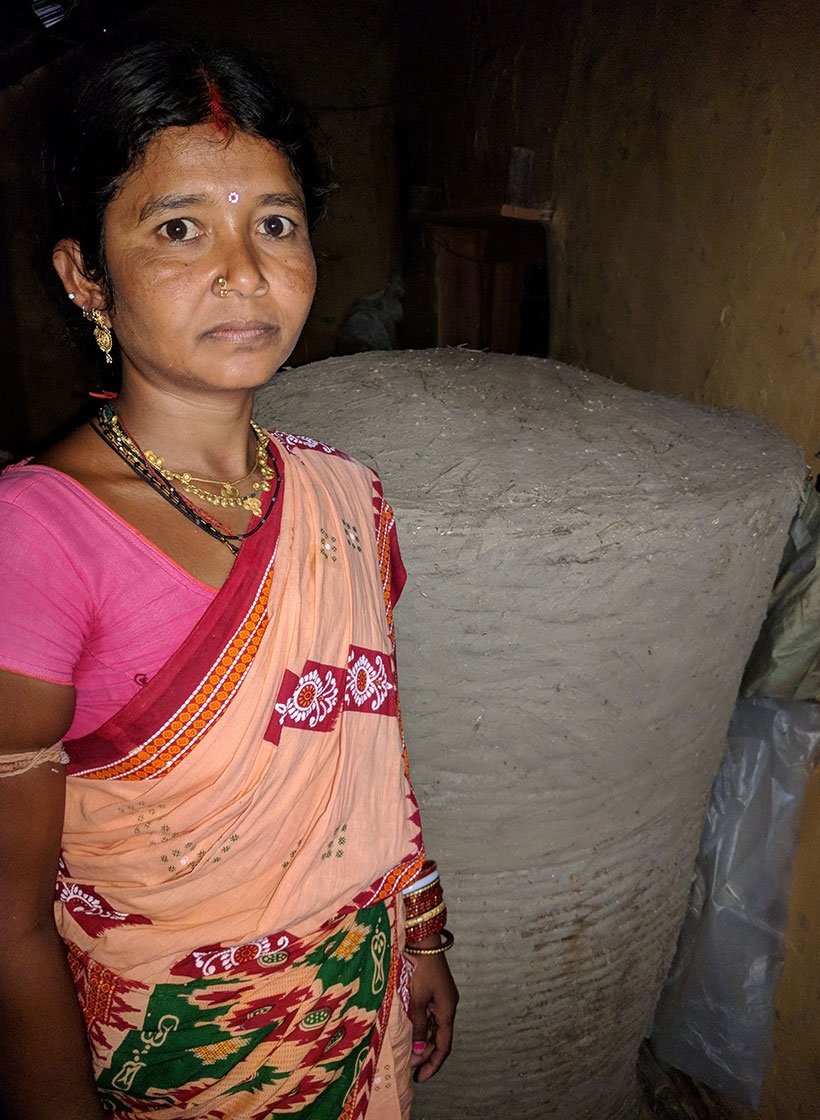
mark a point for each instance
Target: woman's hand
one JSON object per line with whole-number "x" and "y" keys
{"x": 433, "y": 999}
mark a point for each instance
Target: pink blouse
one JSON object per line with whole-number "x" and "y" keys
{"x": 85, "y": 599}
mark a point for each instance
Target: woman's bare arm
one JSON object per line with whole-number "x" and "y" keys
{"x": 45, "y": 1065}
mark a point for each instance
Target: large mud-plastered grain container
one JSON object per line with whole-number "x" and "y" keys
{"x": 588, "y": 569}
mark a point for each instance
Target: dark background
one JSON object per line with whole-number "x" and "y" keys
{"x": 677, "y": 145}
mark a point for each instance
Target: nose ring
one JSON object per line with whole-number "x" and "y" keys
{"x": 222, "y": 284}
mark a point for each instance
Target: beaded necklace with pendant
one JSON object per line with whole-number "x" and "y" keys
{"x": 109, "y": 428}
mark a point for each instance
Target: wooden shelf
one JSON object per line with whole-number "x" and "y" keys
{"x": 483, "y": 216}
{"x": 481, "y": 259}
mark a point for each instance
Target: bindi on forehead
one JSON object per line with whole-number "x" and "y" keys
{"x": 194, "y": 166}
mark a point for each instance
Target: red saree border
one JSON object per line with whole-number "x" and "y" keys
{"x": 391, "y": 567}
{"x": 396, "y": 879}
{"x": 168, "y": 716}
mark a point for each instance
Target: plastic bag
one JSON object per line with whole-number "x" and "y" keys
{"x": 371, "y": 322}
{"x": 786, "y": 659}
{"x": 715, "y": 1017}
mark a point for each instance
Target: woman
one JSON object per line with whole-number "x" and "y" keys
{"x": 198, "y": 707}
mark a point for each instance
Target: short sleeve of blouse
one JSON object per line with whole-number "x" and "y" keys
{"x": 45, "y": 606}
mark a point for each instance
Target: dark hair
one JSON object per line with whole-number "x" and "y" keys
{"x": 108, "y": 118}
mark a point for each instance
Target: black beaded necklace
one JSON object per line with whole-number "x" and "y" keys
{"x": 109, "y": 428}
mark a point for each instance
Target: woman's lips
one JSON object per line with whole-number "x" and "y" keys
{"x": 241, "y": 330}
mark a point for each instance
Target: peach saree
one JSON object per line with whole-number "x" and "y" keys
{"x": 235, "y": 836}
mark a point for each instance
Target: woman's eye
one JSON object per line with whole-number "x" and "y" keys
{"x": 277, "y": 226}
{"x": 179, "y": 229}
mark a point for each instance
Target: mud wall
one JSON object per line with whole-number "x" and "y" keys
{"x": 685, "y": 258}
{"x": 680, "y": 145}
{"x": 685, "y": 239}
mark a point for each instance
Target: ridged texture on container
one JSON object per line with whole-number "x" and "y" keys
{"x": 589, "y": 567}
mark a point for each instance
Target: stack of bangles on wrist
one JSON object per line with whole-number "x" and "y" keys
{"x": 425, "y": 912}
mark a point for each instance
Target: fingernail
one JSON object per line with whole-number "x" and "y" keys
{"x": 418, "y": 1047}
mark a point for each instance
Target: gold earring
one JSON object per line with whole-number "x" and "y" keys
{"x": 222, "y": 284}
{"x": 102, "y": 332}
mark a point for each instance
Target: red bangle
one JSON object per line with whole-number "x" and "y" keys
{"x": 427, "y": 916}
{"x": 423, "y": 902}
{"x": 427, "y": 929}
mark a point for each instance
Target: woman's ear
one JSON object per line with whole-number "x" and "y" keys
{"x": 70, "y": 267}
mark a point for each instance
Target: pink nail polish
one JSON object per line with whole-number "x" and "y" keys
{"x": 418, "y": 1047}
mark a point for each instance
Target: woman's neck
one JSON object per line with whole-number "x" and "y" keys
{"x": 208, "y": 436}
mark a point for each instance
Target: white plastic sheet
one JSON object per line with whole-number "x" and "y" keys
{"x": 715, "y": 1017}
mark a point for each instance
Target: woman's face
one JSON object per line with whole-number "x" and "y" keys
{"x": 200, "y": 207}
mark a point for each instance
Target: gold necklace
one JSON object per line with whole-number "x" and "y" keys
{"x": 229, "y": 496}
{"x": 108, "y": 427}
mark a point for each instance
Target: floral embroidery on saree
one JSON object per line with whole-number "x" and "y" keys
{"x": 92, "y": 913}
{"x": 371, "y": 682}
{"x": 310, "y": 701}
{"x": 314, "y": 699}
{"x": 293, "y": 443}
